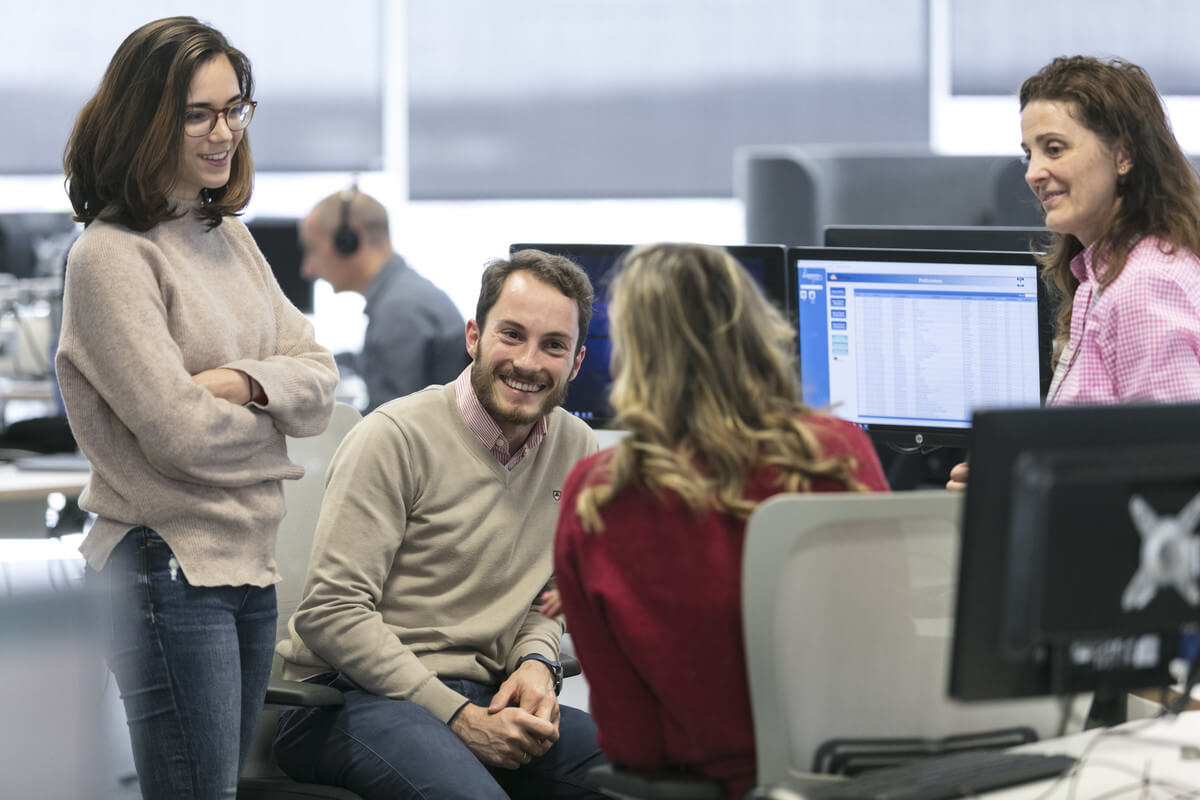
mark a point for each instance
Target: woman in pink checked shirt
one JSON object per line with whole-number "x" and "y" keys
{"x": 1123, "y": 203}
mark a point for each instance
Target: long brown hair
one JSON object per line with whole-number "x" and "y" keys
{"x": 705, "y": 381}
{"x": 1159, "y": 196}
{"x": 123, "y": 154}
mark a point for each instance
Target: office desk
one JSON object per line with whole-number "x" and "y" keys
{"x": 23, "y": 498}
{"x": 1151, "y": 758}
{"x": 36, "y": 392}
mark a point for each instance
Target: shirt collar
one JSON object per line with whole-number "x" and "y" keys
{"x": 486, "y": 429}
{"x": 1084, "y": 266}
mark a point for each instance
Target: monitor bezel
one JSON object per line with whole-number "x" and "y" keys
{"x": 925, "y": 437}
{"x": 984, "y": 664}
{"x": 935, "y": 237}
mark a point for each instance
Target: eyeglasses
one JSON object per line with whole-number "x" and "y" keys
{"x": 200, "y": 121}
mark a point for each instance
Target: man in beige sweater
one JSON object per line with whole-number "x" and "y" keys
{"x": 432, "y": 551}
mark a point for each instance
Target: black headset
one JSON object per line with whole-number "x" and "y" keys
{"x": 345, "y": 239}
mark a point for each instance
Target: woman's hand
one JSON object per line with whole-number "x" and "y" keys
{"x": 228, "y": 384}
{"x": 551, "y": 603}
{"x": 958, "y": 478}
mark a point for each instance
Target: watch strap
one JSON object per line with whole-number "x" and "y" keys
{"x": 556, "y": 670}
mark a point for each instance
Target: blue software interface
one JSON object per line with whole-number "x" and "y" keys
{"x": 912, "y": 343}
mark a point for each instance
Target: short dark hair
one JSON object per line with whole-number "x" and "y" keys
{"x": 123, "y": 154}
{"x": 562, "y": 273}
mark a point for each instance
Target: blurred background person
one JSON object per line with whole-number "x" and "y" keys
{"x": 414, "y": 335}
{"x": 648, "y": 551}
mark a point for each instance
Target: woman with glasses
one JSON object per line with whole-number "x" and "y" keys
{"x": 648, "y": 554}
{"x": 183, "y": 368}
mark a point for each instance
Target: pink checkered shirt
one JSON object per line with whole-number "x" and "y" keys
{"x": 1139, "y": 339}
{"x": 485, "y": 428}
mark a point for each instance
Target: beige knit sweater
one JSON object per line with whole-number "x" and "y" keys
{"x": 429, "y": 555}
{"x": 142, "y": 313}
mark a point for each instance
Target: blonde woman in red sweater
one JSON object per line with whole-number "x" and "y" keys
{"x": 649, "y": 545}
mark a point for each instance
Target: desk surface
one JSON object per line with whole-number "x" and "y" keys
{"x": 1149, "y": 758}
{"x": 18, "y": 484}
{"x": 26, "y": 389}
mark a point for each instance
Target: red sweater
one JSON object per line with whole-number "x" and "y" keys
{"x": 653, "y": 604}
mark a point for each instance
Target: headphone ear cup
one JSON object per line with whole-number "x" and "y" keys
{"x": 345, "y": 240}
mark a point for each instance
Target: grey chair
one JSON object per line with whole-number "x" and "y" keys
{"x": 262, "y": 779}
{"x": 847, "y": 603}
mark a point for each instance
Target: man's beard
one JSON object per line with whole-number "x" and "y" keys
{"x": 482, "y": 383}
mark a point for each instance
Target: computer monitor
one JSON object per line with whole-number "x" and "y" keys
{"x": 1064, "y": 572}
{"x": 931, "y": 237}
{"x": 587, "y": 397}
{"x": 28, "y": 240}
{"x": 908, "y": 343}
{"x": 279, "y": 240}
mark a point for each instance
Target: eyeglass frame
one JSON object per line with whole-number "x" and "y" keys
{"x": 217, "y": 114}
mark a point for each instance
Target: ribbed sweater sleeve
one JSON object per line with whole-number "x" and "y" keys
{"x": 430, "y": 556}
{"x": 361, "y": 529}
{"x": 142, "y": 314}
{"x": 121, "y": 340}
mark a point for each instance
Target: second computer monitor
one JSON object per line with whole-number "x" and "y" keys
{"x": 1079, "y": 560}
{"x": 930, "y": 237}
{"x": 587, "y": 397}
{"x": 908, "y": 344}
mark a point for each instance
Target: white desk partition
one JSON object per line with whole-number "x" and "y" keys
{"x": 23, "y": 498}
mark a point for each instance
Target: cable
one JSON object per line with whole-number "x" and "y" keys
{"x": 1193, "y": 674}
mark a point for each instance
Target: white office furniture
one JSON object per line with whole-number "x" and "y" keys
{"x": 848, "y": 602}
{"x": 261, "y": 778}
{"x": 23, "y": 498}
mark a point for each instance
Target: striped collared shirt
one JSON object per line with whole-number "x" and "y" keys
{"x": 485, "y": 428}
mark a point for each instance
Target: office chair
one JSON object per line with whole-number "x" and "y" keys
{"x": 847, "y": 603}
{"x": 262, "y": 779}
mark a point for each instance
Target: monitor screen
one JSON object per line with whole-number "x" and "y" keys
{"x": 921, "y": 237}
{"x": 587, "y": 397}
{"x": 1071, "y": 578}
{"x": 907, "y": 344}
{"x": 35, "y": 244}
{"x": 279, "y": 240}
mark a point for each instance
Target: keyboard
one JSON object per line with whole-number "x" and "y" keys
{"x": 945, "y": 777}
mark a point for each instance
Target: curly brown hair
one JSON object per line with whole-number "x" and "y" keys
{"x": 1160, "y": 196}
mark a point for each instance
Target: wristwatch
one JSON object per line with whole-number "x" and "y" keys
{"x": 555, "y": 668}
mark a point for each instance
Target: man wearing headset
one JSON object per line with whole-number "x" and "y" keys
{"x": 414, "y": 334}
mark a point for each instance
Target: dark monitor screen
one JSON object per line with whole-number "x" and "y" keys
{"x": 23, "y": 235}
{"x": 920, "y": 237}
{"x": 1062, "y": 540}
{"x": 279, "y": 240}
{"x": 587, "y": 397}
{"x": 906, "y": 344}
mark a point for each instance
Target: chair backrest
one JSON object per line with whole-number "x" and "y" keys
{"x": 848, "y": 608}
{"x": 303, "y": 499}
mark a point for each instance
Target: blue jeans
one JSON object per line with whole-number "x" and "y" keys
{"x": 192, "y": 664}
{"x": 386, "y": 749}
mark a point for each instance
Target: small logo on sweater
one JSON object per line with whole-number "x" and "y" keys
{"x": 557, "y": 495}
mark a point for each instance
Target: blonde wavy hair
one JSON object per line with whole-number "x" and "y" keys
{"x": 705, "y": 382}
